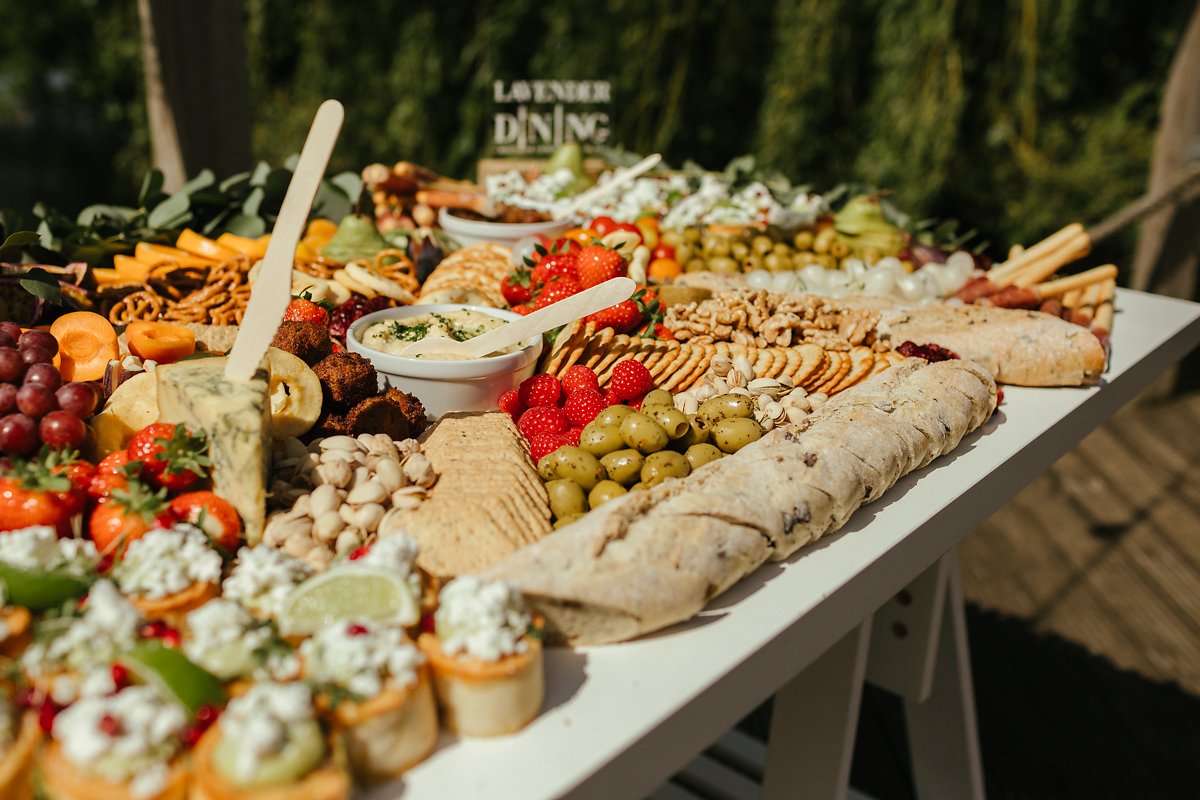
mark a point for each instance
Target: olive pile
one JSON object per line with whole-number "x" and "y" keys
{"x": 623, "y": 450}
{"x": 697, "y": 250}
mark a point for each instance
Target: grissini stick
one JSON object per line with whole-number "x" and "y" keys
{"x": 1032, "y": 296}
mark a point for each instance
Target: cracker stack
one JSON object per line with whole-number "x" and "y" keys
{"x": 488, "y": 501}
{"x": 678, "y": 366}
{"x": 470, "y": 275}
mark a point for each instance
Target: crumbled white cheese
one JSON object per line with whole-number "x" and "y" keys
{"x": 259, "y": 721}
{"x": 132, "y": 734}
{"x": 263, "y": 577}
{"x": 483, "y": 619}
{"x": 396, "y": 553}
{"x": 227, "y": 641}
{"x": 361, "y": 656}
{"x": 39, "y": 548}
{"x": 167, "y": 560}
{"x": 109, "y": 626}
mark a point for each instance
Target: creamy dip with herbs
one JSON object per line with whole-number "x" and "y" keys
{"x": 394, "y": 335}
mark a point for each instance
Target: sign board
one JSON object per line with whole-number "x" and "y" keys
{"x": 536, "y": 117}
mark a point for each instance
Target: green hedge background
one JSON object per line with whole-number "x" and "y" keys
{"x": 1015, "y": 116}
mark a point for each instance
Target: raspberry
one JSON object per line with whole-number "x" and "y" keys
{"x": 572, "y": 436}
{"x": 579, "y": 377}
{"x": 630, "y": 379}
{"x": 583, "y": 406}
{"x": 546, "y": 419}
{"x": 510, "y": 403}
{"x": 543, "y": 444}
{"x": 540, "y": 390}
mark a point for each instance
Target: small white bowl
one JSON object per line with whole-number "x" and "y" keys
{"x": 470, "y": 231}
{"x": 444, "y": 386}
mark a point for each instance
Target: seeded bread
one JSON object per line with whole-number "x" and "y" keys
{"x": 654, "y": 558}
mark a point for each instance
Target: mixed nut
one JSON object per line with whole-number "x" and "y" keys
{"x": 337, "y": 492}
{"x": 774, "y": 400}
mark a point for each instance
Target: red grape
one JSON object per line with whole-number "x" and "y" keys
{"x": 78, "y": 398}
{"x": 18, "y": 434}
{"x": 44, "y": 375}
{"x": 12, "y": 329}
{"x": 62, "y": 429}
{"x": 41, "y": 339}
{"x": 35, "y": 400}
{"x": 8, "y": 398}
{"x": 12, "y": 366}
{"x": 36, "y": 355}
{"x": 6, "y": 340}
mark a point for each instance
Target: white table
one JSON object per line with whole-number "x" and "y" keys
{"x": 620, "y": 719}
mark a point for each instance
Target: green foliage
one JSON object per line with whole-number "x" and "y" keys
{"x": 1015, "y": 116}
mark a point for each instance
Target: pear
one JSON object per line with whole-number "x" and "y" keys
{"x": 295, "y": 393}
{"x": 356, "y": 237}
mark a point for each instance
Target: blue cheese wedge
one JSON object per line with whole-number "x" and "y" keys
{"x": 236, "y": 416}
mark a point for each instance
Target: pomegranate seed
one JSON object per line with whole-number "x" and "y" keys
{"x": 46, "y": 715}
{"x": 355, "y": 629}
{"x": 105, "y": 563}
{"x": 359, "y": 552}
{"x": 191, "y": 735}
{"x": 427, "y": 623}
{"x": 27, "y": 697}
{"x": 120, "y": 676}
{"x": 207, "y": 715}
{"x": 153, "y": 630}
{"x": 110, "y": 725}
{"x": 171, "y": 638}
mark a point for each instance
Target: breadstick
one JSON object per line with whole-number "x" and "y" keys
{"x": 1043, "y": 267}
{"x": 1047, "y": 245}
{"x": 1094, "y": 276}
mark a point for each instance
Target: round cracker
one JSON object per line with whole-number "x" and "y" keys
{"x": 841, "y": 360}
{"x": 861, "y": 362}
{"x": 817, "y": 374}
{"x": 811, "y": 359}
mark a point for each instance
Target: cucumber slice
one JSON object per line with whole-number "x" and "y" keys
{"x": 39, "y": 589}
{"x": 301, "y": 754}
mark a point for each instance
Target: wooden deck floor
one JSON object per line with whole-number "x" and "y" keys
{"x": 1084, "y": 622}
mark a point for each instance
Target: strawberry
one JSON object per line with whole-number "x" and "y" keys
{"x": 597, "y": 264}
{"x": 128, "y": 514}
{"x": 572, "y": 436}
{"x": 544, "y": 419}
{"x": 579, "y": 377}
{"x": 31, "y": 494}
{"x": 624, "y": 317}
{"x": 303, "y": 309}
{"x": 543, "y": 444}
{"x": 214, "y": 515}
{"x": 539, "y": 390}
{"x": 524, "y": 309}
{"x": 630, "y": 379}
{"x": 554, "y": 266}
{"x": 583, "y": 406}
{"x": 172, "y": 458}
{"x": 559, "y": 288}
{"x": 515, "y": 287}
{"x": 663, "y": 332}
{"x": 510, "y": 403}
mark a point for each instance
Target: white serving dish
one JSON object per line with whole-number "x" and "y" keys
{"x": 469, "y": 231}
{"x": 444, "y": 386}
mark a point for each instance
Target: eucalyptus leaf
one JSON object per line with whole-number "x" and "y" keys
{"x": 91, "y": 214}
{"x": 20, "y": 239}
{"x": 331, "y": 203}
{"x": 151, "y": 187}
{"x": 245, "y": 225}
{"x": 276, "y": 186}
{"x": 43, "y": 285}
{"x": 203, "y": 180}
{"x": 216, "y": 224}
{"x": 170, "y": 212}
{"x": 291, "y": 161}
{"x": 234, "y": 181}
{"x": 253, "y": 201}
{"x": 349, "y": 182}
{"x": 259, "y": 176}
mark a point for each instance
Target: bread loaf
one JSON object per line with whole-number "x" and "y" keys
{"x": 654, "y": 558}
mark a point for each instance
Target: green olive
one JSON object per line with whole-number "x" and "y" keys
{"x": 803, "y": 240}
{"x": 623, "y": 466}
{"x": 700, "y": 454}
{"x": 781, "y": 249}
{"x": 657, "y": 398}
{"x": 603, "y": 492}
{"x": 734, "y": 433}
{"x": 751, "y": 263}
{"x": 660, "y": 466}
{"x": 723, "y": 264}
{"x": 739, "y": 250}
{"x": 567, "y": 520}
{"x": 672, "y": 420}
{"x": 775, "y": 262}
{"x": 612, "y": 415}
{"x": 577, "y": 464}
{"x": 642, "y": 433}
{"x": 547, "y": 466}
{"x": 599, "y": 439}
{"x": 671, "y": 237}
{"x": 718, "y": 246}
{"x": 566, "y": 498}
{"x": 762, "y": 244}
{"x": 691, "y": 234}
{"x": 638, "y": 487}
{"x": 696, "y": 433}
{"x": 724, "y": 406}
{"x": 684, "y": 253}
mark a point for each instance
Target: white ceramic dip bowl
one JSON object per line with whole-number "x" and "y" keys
{"x": 444, "y": 386}
{"x": 470, "y": 231}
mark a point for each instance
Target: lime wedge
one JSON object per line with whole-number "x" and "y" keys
{"x": 303, "y": 750}
{"x": 39, "y": 589}
{"x": 173, "y": 674}
{"x": 346, "y": 592}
